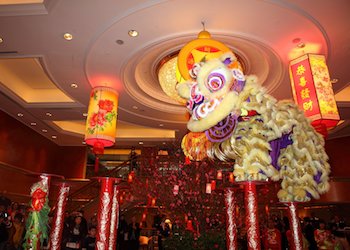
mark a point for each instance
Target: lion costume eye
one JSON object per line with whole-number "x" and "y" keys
{"x": 215, "y": 81}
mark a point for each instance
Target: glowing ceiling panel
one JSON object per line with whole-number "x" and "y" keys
{"x": 26, "y": 78}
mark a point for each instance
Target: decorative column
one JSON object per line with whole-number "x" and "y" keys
{"x": 231, "y": 227}
{"x": 295, "y": 226}
{"x": 104, "y": 212}
{"x": 114, "y": 220}
{"x": 252, "y": 223}
{"x": 57, "y": 226}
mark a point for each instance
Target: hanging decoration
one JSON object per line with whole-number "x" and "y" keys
{"x": 208, "y": 188}
{"x": 37, "y": 222}
{"x": 263, "y": 136}
{"x": 195, "y": 146}
{"x": 313, "y": 92}
{"x": 268, "y": 135}
{"x": 219, "y": 175}
{"x": 101, "y": 122}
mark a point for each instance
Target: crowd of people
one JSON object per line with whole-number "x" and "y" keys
{"x": 276, "y": 234}
{"x": 79, "y": 233}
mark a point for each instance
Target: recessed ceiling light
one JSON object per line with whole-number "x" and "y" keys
{"x": 1, "y": 40}
{"x": 133, "y": 33}
{"x": 135, "y": 107}
{"x": 44, "y": 130}
{"x": 140, "y": 142}
{"x": 33, "y": 123}
{"x": 48, "y": 114}
{"x": 164, "y": 143}
{"x": 161, "y": 125}
{"x": 74, "y": 85}
{"x": 54, "y": 137}
{"x": 20, "y": 115}
{"x": 120, "y": 42}
{"x": 68, "y": 36}
{"x": 301, "y": 45}
{"x": 334, "y": 80}
{"x": 85, "y": 114}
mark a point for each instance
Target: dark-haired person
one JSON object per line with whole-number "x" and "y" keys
{"x": 3, "y": 231}
{"x": 90, "y": 240}
{"x": 74, "y": 234}
{"x": 17, "y": 232}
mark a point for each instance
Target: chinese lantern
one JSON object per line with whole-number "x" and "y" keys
{"x": 219, "y": 175}
{"x": 213, "y": 185}
{"x": 144, "y": 215}
{"x": 195, "y": 146}
{"x": 176, "y": 190}
{"x": 153, "y": 202}
{"x": 312, "y": 91}
{"x": 231, "y": 178}
{"x": 189, "y": 225}
{"x": 208, "y": 188}
{"x": 101, "y": 122}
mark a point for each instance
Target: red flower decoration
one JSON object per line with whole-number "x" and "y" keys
{"x": 38, "y": 199}
{"x": 106, "y": 105}
{"x": 97, "y": 118}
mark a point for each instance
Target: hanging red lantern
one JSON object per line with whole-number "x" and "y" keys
{"x": 195, "y": 146}
{"x": 213, "y": 185}
{"x": 131, "y": 176}
{"x": 101, "y": 122}
{"x": 313, "y": 92}
{"x": 231, "y": 178}
{"x": 153, "y": 202}
{"x": 144, "y": 215}
{"x": 208, "y": 188}
{"x": 219, "y": 175}
{"x": 187, "y": 160}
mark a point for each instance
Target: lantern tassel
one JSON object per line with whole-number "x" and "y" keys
{"x": 97, "y": 164}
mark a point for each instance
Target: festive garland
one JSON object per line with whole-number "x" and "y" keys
{"x": 37, "y": 222}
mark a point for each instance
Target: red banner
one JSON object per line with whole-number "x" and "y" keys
{"x": 304, "y": 91}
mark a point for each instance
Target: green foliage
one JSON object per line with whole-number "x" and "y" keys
{"x": 187, "y": 241}
{"x": 37, "y": 227}
{"x": 110, "y": 116}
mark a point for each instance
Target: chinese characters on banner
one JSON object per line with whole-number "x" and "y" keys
{"x": 312, "y": 90}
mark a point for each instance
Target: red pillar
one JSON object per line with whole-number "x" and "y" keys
{"x": 57, "y": 226}
{"x": 295, "y": 226}
{"x": 252, "y": 223}
{"x": 231, "y": 227}
{"x": 114, "y": 220}
{"x": 104, "y": 213}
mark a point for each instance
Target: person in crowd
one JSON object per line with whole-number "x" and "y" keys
{"x": 93, "y": 221}
{"x": 90, "y": 240}
{"x": 3, "y": 230}
{"x": 309, "y": 233}
{"x": 323, "y": 237}
{"x": 123, "y": 231}
{"x": 134, "y": 234}
{"x": 14, "y": 209}
{"x": 16, "y": 233}
{"x": 74, "y": 234}
{"x": 340, "y": 241}
{"x": 157, "y": 220}
{"x": 272, "y": 237}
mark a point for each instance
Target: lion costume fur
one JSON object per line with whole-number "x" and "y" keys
{"x": 302, "y": 166}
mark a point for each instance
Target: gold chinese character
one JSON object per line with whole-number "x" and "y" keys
{"x": 207, "y": 49}
{"x": 302, "y": 81}
{"x": 308, "y": 105}
{"x": 300, "y": 70}
{"x": 305, "y": 93}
